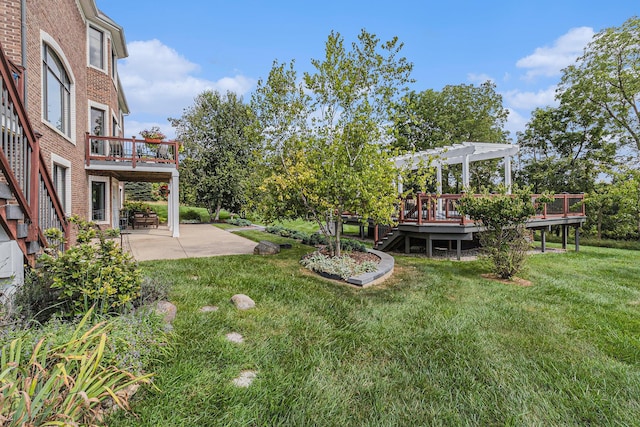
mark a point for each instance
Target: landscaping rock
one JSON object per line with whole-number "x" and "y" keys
{"x": 265, "y": 247}
{"x": 242, "y": 302}
{"x": 235, "y": 337}
{"x": 166, "y": 310}
{"x": 245, "y": 378}
{"x": 208, "y": 308}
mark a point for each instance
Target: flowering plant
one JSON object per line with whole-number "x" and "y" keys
{"x": 153, "y": 133}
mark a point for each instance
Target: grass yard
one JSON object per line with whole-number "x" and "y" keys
{"x": 435, "y": 345}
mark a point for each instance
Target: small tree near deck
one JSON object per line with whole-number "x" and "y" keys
{"x": 505, "y": 239}
{"x": 325, "y": 138}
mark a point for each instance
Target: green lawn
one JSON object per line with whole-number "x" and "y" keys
{"x": 435, "y": 345}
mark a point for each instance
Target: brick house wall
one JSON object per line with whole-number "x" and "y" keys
{"x": 63, "y": 25}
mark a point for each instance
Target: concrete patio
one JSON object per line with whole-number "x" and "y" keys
{"x": 195, "y": 241}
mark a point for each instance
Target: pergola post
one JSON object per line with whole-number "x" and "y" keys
{"x": 507, "y": 173}
{"x": 465, "y": 172}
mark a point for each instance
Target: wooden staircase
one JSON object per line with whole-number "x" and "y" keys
{"x": 385, "y": 236}
{"x": 28, "y": 201}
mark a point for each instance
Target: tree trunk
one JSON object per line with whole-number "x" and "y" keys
{"x": 338, "y": 225}
{"x": 218, "y": 207}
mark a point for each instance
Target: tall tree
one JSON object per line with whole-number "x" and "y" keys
{"x": 607, "y": 78}
{"x": 325, "y": 138}
{"x": 458, "y": 113}
{"x": 564, "y": 150}
{"x": 217, "y": 150}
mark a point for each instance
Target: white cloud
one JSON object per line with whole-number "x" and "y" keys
{"x": 549, "y": 61}
{"x": 516, "y": 122}
{"x": 479, "y": 78}
{"x": 157, "y": 80}
{"x": 530, "y": 100}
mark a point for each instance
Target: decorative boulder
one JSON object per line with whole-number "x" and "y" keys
{"x": 166, "y": 310}
{"x": 265, "y": 247}
{"x": 242, "y": 302}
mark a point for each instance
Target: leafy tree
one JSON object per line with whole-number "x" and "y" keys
{"x": 564, "y": 150}
{"x": 325, "y": 138}
{"x": 217, "y": 150}
{"x": 615, "y": 206}
{"x": 456, "y": 114}
{"x": 607, "y": 78}
{"x": 504, "y": 217}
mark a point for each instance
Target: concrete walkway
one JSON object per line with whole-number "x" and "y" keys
{"x": 195, "y": 241}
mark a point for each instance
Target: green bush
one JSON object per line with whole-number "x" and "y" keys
{"x": 190, "y": 215}
{"x": 61, "y": 384}
{"x": 240, "y": 222}
{"x": 343, "y": 266}
{"x": 90, "y": 273}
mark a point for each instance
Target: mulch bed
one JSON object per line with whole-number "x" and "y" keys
{"x": 357, "y": 256}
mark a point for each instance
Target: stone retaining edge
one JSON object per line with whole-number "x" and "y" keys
{"x": 384, "y": 267}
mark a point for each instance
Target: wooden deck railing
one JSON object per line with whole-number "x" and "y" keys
{"x": 23, "y": 166}
{"x": 426, "y": 208}
{"x": 135, "y": 151}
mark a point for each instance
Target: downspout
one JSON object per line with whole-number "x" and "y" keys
{"x": 23, "y": 53}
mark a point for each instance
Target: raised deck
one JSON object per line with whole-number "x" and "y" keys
{"x": 429, "y": 218}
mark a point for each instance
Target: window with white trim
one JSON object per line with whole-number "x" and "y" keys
{"x": 99, "y": 199}
{"x": 96, "y": 48}
{"x": 97, "y": 127}
{"x": 57, "y": 91}
{"x": 61, "y": 171}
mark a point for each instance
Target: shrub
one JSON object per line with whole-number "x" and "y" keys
{"x": 91, "y": 273}
{"x": 61, "y": 384}
{"x": 505, "y": 239}
{"x": 240, "y": 222}
{"x": 342, "y": 266}
{"x": 190, "y": 215}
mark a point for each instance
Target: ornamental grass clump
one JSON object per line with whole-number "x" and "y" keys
{"x": 64, "y": 384}
{"x": 343, "y": 266}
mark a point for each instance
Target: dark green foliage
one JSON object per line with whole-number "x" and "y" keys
{"x": 190, "y": 215}
{"x": 140, "y": 191}
{"x": 218, "y": 149}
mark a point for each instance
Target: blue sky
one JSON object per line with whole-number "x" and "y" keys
{"x": 178, "y": 50}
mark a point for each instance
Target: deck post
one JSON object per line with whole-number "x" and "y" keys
{"x": 577, "y": 239}
{"x": 407, "y": 244}
{"x": 174, "y": 204}
{"x": 459, "y": 249}
{"x": 543, "y": 240}
{"x": 429, "y": 247}
{"x": 565, "y": 236}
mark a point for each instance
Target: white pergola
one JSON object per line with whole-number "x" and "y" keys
{"x": 463, "y": 153}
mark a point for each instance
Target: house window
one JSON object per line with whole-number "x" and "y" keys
{"x": 60, "y": 182}
{"x": 97, "y": 127}
{"x": 96, "y": 48}
{"x": 114, "y": 64}
{"x": 98, "y": 201}
{"x": 57, "y": 92}
{"x": 61, "y": 173}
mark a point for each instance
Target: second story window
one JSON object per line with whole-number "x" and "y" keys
{"x": 57, "y": 92}
{"x": 96, "y": 48}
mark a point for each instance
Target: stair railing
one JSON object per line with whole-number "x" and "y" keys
{"x": 23, "y": 167}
